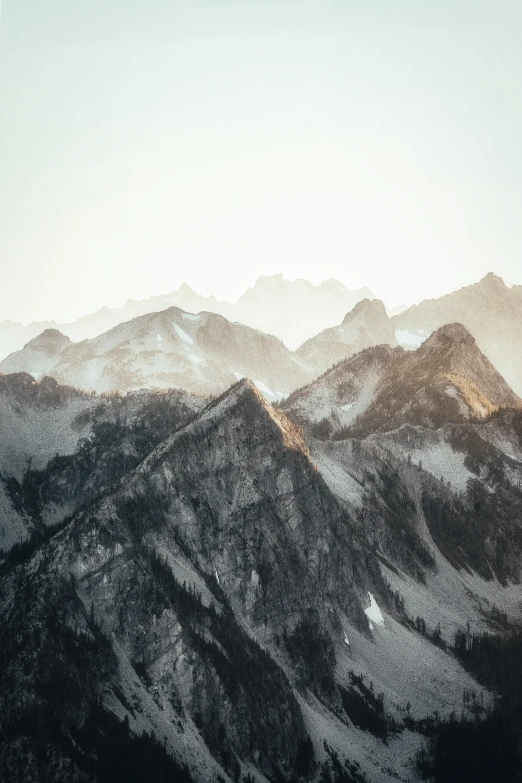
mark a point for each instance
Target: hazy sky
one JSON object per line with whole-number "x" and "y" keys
{"x": 144, "y": 144}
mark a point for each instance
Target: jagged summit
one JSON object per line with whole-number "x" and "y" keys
{"x": 447, "y": 379}
{"x": 39, "y": 355}
{"x": 491, "y": 280}
{"x": 246, "y": 409}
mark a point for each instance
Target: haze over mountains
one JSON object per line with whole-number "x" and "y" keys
{"x": 204, "y": 353}
{"x": 274, "y": 305}
{"x": 355, "y": 320}
{"x": 222, "y": 560}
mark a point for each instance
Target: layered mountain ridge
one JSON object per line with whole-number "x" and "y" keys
{"x": 228, "y": 589}
{"x": 446, "y": 379}
{"x": 274, "y": 305}
{"x": 203, "y": 353}
{"x": 363, "y": 327}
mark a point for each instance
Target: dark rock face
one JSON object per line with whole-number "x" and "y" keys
{"x": 224, "y": 534}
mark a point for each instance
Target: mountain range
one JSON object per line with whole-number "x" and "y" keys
{"x": 225, "y": 561}
{"x": 143, "y": 352}
{"x": 273, "y": 305}
{"x": 204, "y": 353}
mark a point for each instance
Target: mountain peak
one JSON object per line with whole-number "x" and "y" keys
{"x": 455, "y": 333}
{"x": 246, "y": 396}
{"x": 49, "y": 338}
{"x": 491, "y": 280}
{"x": 367, "y": 307}
{"x": 186, "y": 289}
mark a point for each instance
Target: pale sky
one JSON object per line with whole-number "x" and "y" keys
{"x": 146, "y": 144}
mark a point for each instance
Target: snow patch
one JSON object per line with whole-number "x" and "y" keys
{"x": 268, "y": 393}
{"x": 373, "y": 613}
{"x": 239, "y": 376}
{"x": 347, "y": 406}
{"x": 159, "y": 338}
{"x": 182, "y": 334}
{"x": 195, "y": 359}
{"x": 411, "y": 339}
{"x": 190, "y": 317}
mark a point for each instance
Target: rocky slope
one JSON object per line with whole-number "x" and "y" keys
{"x": 447, "y": 379}
{"x": 204, "y": 353}
{"x": 263, "y": 604}
{"x": 335, "y": 400}
{"x": 490, "y": 311}
{"x": 61, "y": 447}
{"x": 218, "y": 596}
{"x": 365, "y": 326}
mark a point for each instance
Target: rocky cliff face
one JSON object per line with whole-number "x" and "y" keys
{"x": 224, "y": 537}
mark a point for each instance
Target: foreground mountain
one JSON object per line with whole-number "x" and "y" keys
{"x": 204, "y": 353}
{"x": 274, "y": 306}
{"x": 490, "y": 310}
{"x": 447, "y": 379}
{"x": 365, "y": 326}
{"x": 217, "y": 596}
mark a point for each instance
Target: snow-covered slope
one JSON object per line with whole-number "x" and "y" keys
{"x": 204, "y": 353}
{"x": 365, "y": 326}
